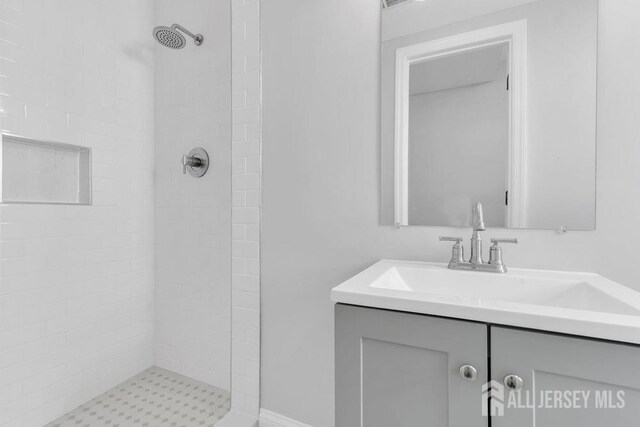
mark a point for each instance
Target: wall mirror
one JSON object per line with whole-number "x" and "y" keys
{"x": 491, "y": 102}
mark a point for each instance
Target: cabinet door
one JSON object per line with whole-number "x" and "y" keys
{"x": 402, "y": 370}
{"x": 568, "y": 382}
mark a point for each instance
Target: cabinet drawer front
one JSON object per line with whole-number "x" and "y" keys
{"x": 399, "y": 369}
{"x": 568, "y": 382}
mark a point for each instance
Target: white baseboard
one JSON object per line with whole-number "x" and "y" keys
{"x": 271, "y": 419}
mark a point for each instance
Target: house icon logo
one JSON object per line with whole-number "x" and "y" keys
{"x": 492, "y": 399}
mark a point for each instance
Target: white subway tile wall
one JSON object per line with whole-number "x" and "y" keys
{"x": 246, "y": 206}
{"x": 193, "y": 215}
{"x": 77, "y": 282}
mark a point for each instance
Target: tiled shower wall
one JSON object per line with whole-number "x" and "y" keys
{"x": 193, "y": 215}
{"x": 77, "y": 282}
{"x": 246, "y": 88}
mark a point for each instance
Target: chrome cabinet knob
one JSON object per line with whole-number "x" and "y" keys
{"x": 513, "y": 382}
{"x": 468, "y": 373}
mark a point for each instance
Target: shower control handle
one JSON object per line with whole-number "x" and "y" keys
{"x": 196, "y": 162}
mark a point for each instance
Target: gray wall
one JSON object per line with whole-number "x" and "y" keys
{"x": 320, "y": 215}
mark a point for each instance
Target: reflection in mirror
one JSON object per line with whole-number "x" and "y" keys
{"x": 497, "y": 108}
{"x": 474, "y": 93}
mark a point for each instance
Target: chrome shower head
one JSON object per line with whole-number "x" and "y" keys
{"x": 170, "y": 36}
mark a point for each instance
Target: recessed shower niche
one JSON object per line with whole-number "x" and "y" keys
{"x": 45, "y": 172}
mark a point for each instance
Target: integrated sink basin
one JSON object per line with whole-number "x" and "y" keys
{"x": 519, "y": 287}
{"x": 585, "y": 304}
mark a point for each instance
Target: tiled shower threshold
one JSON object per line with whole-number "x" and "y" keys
{"x": 154, "y": 398}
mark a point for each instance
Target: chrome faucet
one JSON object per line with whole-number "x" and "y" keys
{"x": 495, "y": 264}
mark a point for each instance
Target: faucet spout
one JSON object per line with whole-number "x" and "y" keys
{"x": 477, "y": 221}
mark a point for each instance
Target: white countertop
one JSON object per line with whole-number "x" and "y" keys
{"x": 584, "y": 304}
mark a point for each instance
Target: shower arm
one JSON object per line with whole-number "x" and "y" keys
{"x": 196, "y": 37}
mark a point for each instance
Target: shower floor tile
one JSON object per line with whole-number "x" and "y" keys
{"x": 154, "y": 398}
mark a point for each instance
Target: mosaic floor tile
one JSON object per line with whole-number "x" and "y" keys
{"x": 154, "y": 398}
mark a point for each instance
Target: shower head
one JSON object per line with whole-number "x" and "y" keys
{"x": 172, "y": 38}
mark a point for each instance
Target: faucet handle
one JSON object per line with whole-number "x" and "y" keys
{"x": 450, "y": 239}
{"x": 496, "y": 242}
{"x": 457, "y": 251}
{"x": 495, "y": 254}
{"x": 186, "y": 161}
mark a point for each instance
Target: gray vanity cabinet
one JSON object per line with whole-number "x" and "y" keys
{"x": 403, "y": 370}
{"x": 549, "y": 364}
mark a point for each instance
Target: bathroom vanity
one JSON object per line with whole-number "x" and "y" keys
{"x": 487, "y": 104}
{"x": 418, "y": 344}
